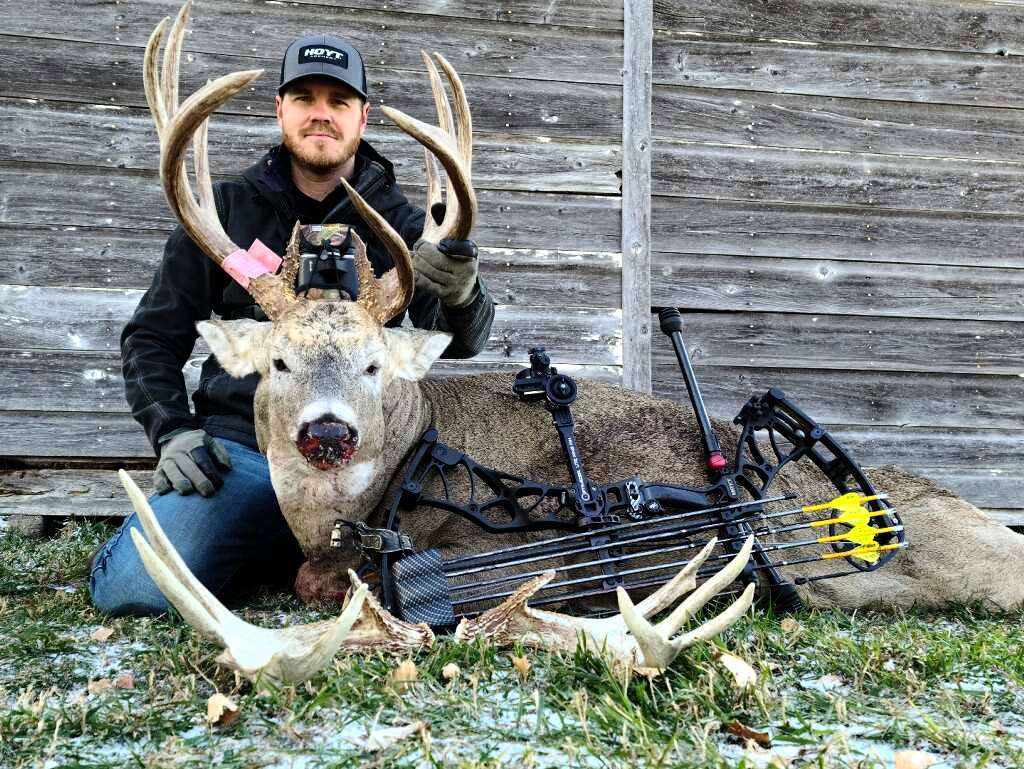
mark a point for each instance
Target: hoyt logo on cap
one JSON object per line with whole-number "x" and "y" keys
{"x": 323, "y": 53}
{"x": 323, "y": 56}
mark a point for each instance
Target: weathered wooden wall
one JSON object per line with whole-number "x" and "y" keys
{"x": 836, "y": 207}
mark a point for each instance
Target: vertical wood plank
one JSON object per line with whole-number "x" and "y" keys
{"x": 636, "y": 194}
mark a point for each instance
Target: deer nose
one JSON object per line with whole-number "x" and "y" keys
{"x": 327, "y": 442}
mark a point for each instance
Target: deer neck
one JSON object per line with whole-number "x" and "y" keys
{"x": 312, "y": 500}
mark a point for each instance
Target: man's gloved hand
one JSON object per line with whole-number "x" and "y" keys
{"x": 447, "y": 269}
{"x": 189, "y": 461}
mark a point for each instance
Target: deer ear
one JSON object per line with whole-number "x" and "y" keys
{"x": 412, "y": 351}
{"x": 238, "y": 345}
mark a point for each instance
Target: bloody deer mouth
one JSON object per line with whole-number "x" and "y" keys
{"x": 326, "y": 444}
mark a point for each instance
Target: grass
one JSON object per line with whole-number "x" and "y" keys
{"x": 835, "y": 691}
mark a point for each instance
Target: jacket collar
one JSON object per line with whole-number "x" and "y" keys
{"x": 270, "y": 177}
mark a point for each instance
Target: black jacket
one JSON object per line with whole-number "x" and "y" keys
{"x": 189, "y": 286}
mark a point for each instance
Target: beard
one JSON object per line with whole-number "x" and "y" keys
{"x": 320, "y": 161}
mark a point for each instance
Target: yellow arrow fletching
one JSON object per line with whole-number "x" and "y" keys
{"x": 867, "y": 553}
{"x": 846, "y": 501}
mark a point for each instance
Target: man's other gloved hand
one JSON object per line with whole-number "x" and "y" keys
{"x": 189, "y": 461}
{"x": 447, "y": 269}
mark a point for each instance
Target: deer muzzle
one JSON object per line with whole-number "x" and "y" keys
{"x": 327, "y": 443}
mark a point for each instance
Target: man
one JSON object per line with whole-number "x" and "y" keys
{"x": 214, "y": 495}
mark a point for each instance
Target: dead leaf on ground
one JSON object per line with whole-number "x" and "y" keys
{"x": 744, "y": 676}
{"x": 382, "y": 739}
{"x": 789, "y": 625}
{"x": 405, "y": 673}
{"x": 914, "y": 759}
{"x": 522, "y": 666}
{"x": 745, "y": 733}
{"x": 451, "y": 672}
{"x": 99, "y": 685}
{"x": 102, "y": 634}
{"x": 221, "y": 711}
{"x": 124, "y": 681}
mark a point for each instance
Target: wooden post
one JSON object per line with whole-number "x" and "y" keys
{"x": 636, "y": 194}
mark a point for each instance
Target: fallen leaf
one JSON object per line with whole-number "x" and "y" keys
{"x": 451, "y": 672}
{"x": 99, "y": 685}
{"x": 913, "y": 759}
{"x": 744, "y": 732}
{"x": 405, "y": 673}
{"x": 381, "y": 739}
{"x": 221, "y": 711}
{"x": 522, "y": 666}
{"x": 789, "y": 625}
{"x": 743, "y": 675}
{"x": 124, "y": 681}
{"x": 102, "y": 634}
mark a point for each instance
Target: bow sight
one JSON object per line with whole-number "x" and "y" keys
{"x": 631, "y": 533}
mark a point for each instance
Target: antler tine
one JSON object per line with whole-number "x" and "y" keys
{"x": 172, "y": 56}
{"x": 388, "y": 296}
{"x": 655, "y": 644}
{"x": 151, "y": 81}
{"x": 455, "y": 156}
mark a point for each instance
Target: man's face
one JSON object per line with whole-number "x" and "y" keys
{"x": 321, "y": 123}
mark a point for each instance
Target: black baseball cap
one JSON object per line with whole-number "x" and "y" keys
{"x": 326, "y": 56}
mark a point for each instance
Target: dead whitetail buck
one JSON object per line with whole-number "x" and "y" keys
{"x": 333, "y": 368}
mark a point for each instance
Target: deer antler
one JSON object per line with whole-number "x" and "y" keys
{"x": 290, "y": 655}
{"x": 628, "y": 637}
{"x": 452, "y": 143}
{"x": 254, "y": 268}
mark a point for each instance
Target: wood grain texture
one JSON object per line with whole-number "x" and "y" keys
{"x": 899, "y": 74}
{"x": 848, "y": 342}
{"x": 863, "y": 180}
{"x": 88, "y": 319}
{"x": 837, "y": 124}
{"x": 112, "y": 75}
{"x": 895, "y": 398}
{"x": 60, "y": 133}
{"x": 951, "y": 25}
{"x": 388, "y": 40}
{"x": 743, "y": 284}
{"x": 636, "y": 196}
{"x": 123, "y": 199}
{"x": 695, "y": 226}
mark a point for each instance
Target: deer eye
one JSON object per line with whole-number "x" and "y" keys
{"x": 372, "y": 369}
{"x": 280, "y": 365}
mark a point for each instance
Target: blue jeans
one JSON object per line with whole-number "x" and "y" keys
{"x": 236, "y": 539}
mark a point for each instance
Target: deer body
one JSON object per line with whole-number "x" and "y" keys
{"x": 957, "y": 554}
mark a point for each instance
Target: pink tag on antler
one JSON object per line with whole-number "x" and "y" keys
{"x": 245, "y": 264}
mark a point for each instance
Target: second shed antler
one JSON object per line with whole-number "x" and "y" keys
{"x": 255, "y": 267}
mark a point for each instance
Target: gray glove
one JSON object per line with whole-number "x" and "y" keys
{"x": 447, "y": 269}
{"x": 189, "y": 461}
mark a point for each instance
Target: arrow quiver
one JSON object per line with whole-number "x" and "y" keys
{"x": 631, "y": 533}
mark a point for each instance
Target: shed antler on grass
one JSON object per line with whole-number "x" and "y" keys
{"x": 289, "y": 655}
{"x": 629, "y": 638}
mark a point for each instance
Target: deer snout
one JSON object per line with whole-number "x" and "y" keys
{"x": 327, "y": 442}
